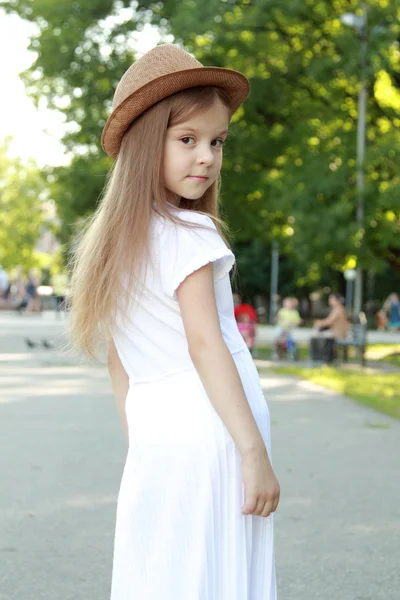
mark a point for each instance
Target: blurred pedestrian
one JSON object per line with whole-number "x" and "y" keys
{"x": 287, "y": 319}
{"x": 152, "y": 274}
{"x": 4, "y": 287}
{"x": 18, "y": 286}
{"x": 336, "y": 324}
{"x": 381, "y": 319}
{"x": 241, "y": 307}
{"x": 31, "y": 288}
{"x": 59, "y": 282}
{"x": 246, "y": 319}
{"x": 247, "y": 329}
{"x": 392, "y": 311}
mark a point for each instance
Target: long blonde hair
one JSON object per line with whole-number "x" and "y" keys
{"x": 115, "y": 242}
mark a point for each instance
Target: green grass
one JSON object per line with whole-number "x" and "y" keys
{"x": 378, "y": 391}
{"x": 265, "y": 352}
{"x": 375, "y": 352}
{"x": 384, "y": 352}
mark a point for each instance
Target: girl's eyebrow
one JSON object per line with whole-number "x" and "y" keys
{"x": 193, "y": 130}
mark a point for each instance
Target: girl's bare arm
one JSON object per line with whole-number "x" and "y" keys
{"x": 120, "y": 383}
{"x": 222, "y": 383}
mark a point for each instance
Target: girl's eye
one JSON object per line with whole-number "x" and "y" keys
{"x": 218, "y": 143}
{"x": 188, "y": 141}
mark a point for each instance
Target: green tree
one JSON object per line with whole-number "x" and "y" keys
{"x": 296, "y": 176}
{"x": 22, "y": 191}
{"x": 290, "y": 167}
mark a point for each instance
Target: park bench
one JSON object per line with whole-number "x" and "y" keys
{"x": 357, "y": 339}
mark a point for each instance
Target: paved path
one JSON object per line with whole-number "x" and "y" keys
{"x": 11, "y": 323}
{"x": 61, "y": 458}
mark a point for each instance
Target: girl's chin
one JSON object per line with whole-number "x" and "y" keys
{"x": 195, "y": 192}
{"x": 189, "y": 195}
{"x": 191, "y": 190}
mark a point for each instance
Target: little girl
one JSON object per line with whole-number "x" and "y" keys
{"x": 151, "y": 275}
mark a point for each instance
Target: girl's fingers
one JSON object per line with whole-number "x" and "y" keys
{"x": 250, "y": 505}
{"x": 275, "y": 504}
{"x": 267, "y": 510}
{"x": 260, "y": 506}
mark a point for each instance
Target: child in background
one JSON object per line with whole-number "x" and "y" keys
{"x": 287, "y": 319}
{"x": 247, "y": 329}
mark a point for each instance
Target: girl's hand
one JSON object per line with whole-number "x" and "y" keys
{"x": 261, "y": 485}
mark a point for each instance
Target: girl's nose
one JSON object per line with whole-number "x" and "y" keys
{"x": 205, "y": 155}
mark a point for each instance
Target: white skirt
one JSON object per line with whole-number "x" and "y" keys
{"x": 180, "y": 534}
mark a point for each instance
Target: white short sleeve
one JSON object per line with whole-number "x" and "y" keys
{"x": 188, "y": 248}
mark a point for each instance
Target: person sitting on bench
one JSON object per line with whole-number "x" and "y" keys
{"x": 336, "y": 324}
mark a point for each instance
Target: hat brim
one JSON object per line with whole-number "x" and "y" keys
{"x": 234, "y": 83}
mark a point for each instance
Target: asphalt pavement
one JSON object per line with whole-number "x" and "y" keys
{"x": 14, "y": 327}
{"x": 61, "y": 459}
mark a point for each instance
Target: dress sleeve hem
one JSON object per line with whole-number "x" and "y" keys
{"x": 223, "y": 260}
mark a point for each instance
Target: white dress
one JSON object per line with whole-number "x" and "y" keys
{"x": 180, "y": 534}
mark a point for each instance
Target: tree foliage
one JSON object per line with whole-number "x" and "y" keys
{"x": 21, "y": 215}
{"x": 290, "y": 168}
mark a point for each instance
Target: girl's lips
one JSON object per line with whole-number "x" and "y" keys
{"x": 197, "y": 178}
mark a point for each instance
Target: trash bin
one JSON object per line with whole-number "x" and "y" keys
{"x": 322, "y": 349}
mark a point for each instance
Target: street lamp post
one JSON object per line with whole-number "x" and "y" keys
{"x": 273, "y": 301}
{"x": 359, "y": 22}
{"x": 349, "y": 275}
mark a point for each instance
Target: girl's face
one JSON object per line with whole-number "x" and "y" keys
{"x": 193, "y": 152}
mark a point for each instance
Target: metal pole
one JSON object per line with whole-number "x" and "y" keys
{"x": 361, "y": 129}
{"x": 274, "y": 281}
{"x": 349, "y": 296}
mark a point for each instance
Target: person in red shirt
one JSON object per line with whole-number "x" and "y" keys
{"x": 246, "y": 318}
{"x": 243, "y": 308}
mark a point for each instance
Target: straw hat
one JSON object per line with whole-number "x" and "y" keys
{"x": 161, "y": 72}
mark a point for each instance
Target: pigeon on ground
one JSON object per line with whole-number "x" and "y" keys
{"x": 29, "y": 343}
{"x": 47, "y": 345}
